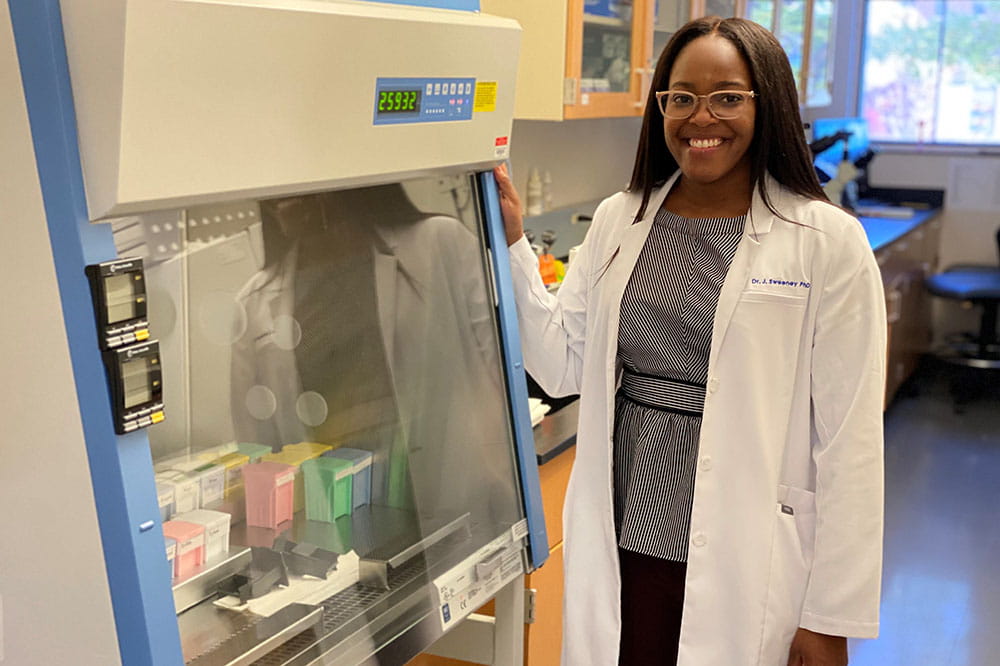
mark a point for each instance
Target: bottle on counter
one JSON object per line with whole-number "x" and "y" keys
{"x": 534, "y": 193}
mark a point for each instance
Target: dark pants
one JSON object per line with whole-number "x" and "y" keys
{"x": 652, "y": 600}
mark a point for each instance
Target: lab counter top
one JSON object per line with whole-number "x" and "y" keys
{"x": 569, "y": 224}
{"x": 556, "y": 432}
{"x": 882, "y": 222}
{"x": 882, "y": 230}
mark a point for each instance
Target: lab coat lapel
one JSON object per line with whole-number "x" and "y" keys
{"x": 385, "y": 293}
{"x": 278, "y": 296}
{"x": 387, "y": 269}
{"x": 757, "y": 226}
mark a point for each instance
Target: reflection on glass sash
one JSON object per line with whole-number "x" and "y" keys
{"x": 369, "y": 326}
{"x": 355, "y": 319}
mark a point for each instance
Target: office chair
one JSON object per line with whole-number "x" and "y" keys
{"x": 974, "y": 285}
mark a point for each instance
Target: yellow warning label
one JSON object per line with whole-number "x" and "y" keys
{"x": 486, "y": 96}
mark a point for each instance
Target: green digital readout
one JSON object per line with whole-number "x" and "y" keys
{"x": 398, "y": 101}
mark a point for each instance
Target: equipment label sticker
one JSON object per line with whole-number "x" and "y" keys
{"x": 486, "y": 96}
{"x": 502, "y": 147}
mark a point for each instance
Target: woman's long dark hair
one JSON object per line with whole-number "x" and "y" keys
{"x": 779, "y": 144}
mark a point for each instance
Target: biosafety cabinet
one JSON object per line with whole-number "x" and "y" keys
{"x": 287, "y": 299}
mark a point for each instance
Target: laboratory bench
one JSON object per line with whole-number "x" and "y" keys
{"x": 905, "y": 234}
{"x": 883, "y": 230}
{"x": 883, "y": 216}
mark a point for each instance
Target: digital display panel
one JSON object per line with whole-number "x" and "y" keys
{"x": 119, "y": 294}
{"x": 398, "y": 101}
{"x": 135, "y": 382}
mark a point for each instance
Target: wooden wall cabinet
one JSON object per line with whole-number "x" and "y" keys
{"x": 581, "y": 58}
{"x": 723, "y": 8}
{"x": 594, "y": 58}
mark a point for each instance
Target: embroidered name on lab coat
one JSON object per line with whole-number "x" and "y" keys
{"x": 777, "y": 282}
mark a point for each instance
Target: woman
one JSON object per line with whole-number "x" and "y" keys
{"x": 724, "y": 325}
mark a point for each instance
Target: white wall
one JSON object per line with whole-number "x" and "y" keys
{"x": 56, "y": 608}
{"x": 588, "y": 159}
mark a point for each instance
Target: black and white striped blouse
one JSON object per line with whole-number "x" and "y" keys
{"x": 664, "y": 338}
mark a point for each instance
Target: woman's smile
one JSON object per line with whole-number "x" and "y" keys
{"x": 704, "y": 144}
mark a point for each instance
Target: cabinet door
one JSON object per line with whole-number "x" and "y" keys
{"x": 723, "y": 8}
{"x": 543, "y": 638}
{"x": 608, "y": 51}
{"x": 670, "y": 15}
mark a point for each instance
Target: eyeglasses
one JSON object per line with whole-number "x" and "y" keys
{"x": 723, "y": 104}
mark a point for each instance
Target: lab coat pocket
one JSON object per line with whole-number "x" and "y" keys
{"x": 764, "y": 333}
{"x": 789, "y": 299}
{"x": 791, "y": 561}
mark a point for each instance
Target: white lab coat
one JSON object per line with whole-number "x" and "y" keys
{"x": 786, "y": 525}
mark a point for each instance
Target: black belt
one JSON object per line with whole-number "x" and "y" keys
{"x": 665, "y": 394}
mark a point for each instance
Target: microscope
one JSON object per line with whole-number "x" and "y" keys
{"x": 848, "y": 181}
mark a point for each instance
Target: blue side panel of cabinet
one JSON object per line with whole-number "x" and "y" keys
{"x": 121, "y": 467}
{"x": 531, "y": 491}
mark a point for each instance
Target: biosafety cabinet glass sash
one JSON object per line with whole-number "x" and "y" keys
{"x": 337, "y": 406}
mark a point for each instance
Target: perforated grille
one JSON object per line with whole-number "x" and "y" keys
{"x": 346, "y": 606}
{"x": 349, "y": 604}
{"x": 206, "y": 655}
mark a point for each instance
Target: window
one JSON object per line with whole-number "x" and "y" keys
{"x": 931, "y": 72}
{"x": 805, "y": 30}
